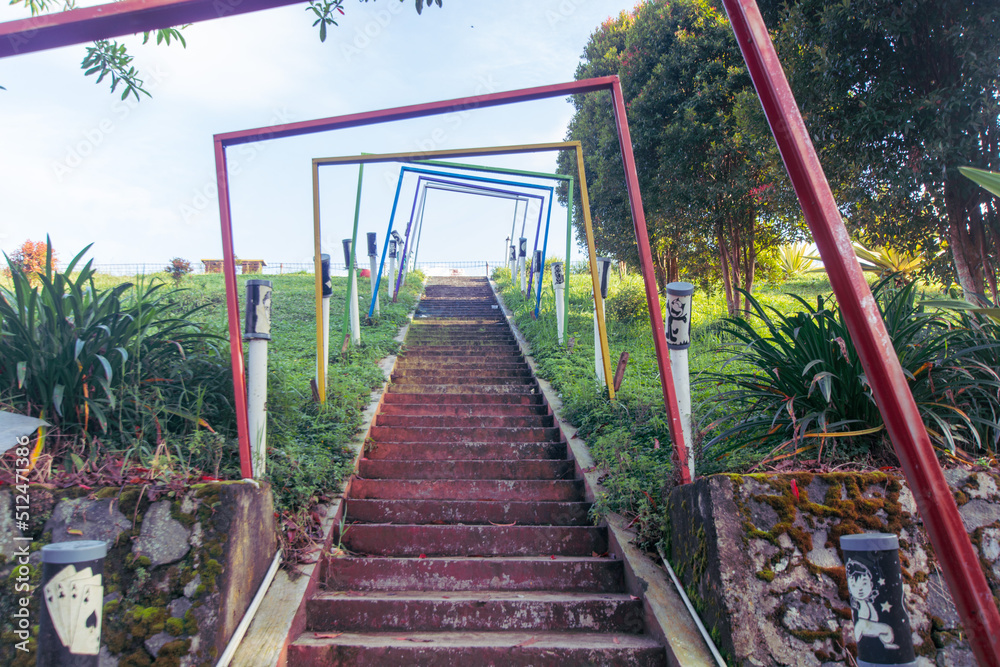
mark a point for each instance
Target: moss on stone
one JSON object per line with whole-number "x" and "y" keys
{"x": 765, "y": 575}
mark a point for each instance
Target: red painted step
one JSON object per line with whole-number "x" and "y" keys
{"x": 465, "y": 469}
{"x": 495, "y": 512}
{"x": 432, "y": 540}
{"x": 510, "y": 649}
{"x": 446, "y": 451}
{"x": 389, "y": 434}
{"x": 468, "y": 489}
{"x": 538, "y": 573}
{"x": 461, "y": 409}
{"x": 422, "y": 611}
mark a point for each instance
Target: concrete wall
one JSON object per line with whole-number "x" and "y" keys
{"x": 182, "y": 565}
{"x": 762, "y": 562}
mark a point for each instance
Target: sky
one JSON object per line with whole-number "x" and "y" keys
{"x": 137, "y": 179}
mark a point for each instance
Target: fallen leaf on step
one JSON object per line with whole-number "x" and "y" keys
{"x": 552, "y": 557}
{"x": 513, "y": 523}
{"x": 527, "y": 642}
{"x": 415, "y": 639}
{"x": 328, "y": 635}
{"x": 633, "y": 597}
{"x": 616, "y": 640}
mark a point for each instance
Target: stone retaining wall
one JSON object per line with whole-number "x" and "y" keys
{"x": 181, "y": 569}
{"x": 761, "y": 560}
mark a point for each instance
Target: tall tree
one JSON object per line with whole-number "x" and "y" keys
{"x": 900, "y": 93}
{"x": 702, "y": 165}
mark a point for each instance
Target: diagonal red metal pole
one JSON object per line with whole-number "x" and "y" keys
{"x": 233, "y": 309}
{"x": 956, "y": 555}
{"x": 649, "y": 279}
{"x": 115, "y": 19}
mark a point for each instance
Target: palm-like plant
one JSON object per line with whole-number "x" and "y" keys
{"x": 886, "y": 261}
{"x": 97, "y": 358}
{"x": 805, "y": 390}
{"x": 794, "y": 261}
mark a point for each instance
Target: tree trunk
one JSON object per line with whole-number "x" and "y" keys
{"x": 963, "y": 250}
{"x": 724, "y": 263}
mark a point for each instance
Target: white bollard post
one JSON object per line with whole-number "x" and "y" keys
{"x": 603, "y": 271}
{"x": 352, "y": 297}
{"x": 512, "y": 262}
{"x": 257, "y": 331}
{"x": 678, "y": 332}
{"x": 522, "y": 258}
{"x": 559, "y": 282}
{"x": 327, "y": 293}
{"x": 373, "y": 263}
{"x": 390, "y": 278}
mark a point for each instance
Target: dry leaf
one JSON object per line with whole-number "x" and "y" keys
{"x": 328, "y": 635}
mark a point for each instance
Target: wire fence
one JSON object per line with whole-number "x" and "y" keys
{"x": 472, "y": 267}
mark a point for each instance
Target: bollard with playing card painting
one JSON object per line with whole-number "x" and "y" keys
{"x": 73, "y": 603}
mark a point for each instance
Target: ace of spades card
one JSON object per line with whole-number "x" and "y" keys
{"x": 73, "y": 600}
{"x": 87, "y": 624}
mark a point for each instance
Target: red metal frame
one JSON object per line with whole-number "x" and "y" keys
{"x": 956, "y": 555}
{"x": 609, "y": 83}
{"x": 50, "y": 31}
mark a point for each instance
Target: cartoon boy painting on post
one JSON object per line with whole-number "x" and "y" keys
{"x": 863, "y": 593}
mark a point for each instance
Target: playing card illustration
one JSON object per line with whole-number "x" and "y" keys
{"x": 87, "y": 627}
{"x": 72, "y": 598}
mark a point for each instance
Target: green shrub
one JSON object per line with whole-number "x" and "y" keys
{"x": 801, "y": 388}
{"x": 115, "y": 362}
{"x": 626, "y": 300}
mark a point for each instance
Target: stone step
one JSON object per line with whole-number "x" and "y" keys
{"x": 469, "y": 512}
{"x": 458, "y": 363}
{"x": 444, "y": 540}
{"x": 497, "y": 389}
{"x": 507, "y": 352}
{"x": 458, "y": 398}
{"x": 467, "y": 469}
{"x": 561, "y": 573}
{"x": 460, "y": 380}
{"x": 476, "y": 421}
{"x": 474, "y": 611}
{"x": 468, "y": 489}
{"x": 449, "y": 372}
{"x": 447, "y": 649}
{"x": 385, "y": 434}
{"x": 436, "y": 451}
{"x": 462, "y": 410}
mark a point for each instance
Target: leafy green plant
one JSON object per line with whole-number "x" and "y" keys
{"x": 112, "y": 361}
{"x": 626, "y": 300}
{"x": 886, "y": 261}
{"x": 793, "y": 260}
{"x": 802, "y": 389}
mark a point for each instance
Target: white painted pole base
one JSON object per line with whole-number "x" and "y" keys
{"x": 522, "y": 274}
{"x": 682, "y": 386}
{"x": 598, "y": 359}
{"x": 355, "y": 315}
{"x": 390, "y": 279}
{"x": 325, "y": 357}
{"x": 374, "y": 275}
{"x": 560, "y": 315}
{"x": 257, "y": 405}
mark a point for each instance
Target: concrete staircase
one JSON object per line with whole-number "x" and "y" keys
{"x": 469, "y": 537}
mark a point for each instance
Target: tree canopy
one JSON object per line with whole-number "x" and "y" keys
{"x": 900, "y": 93}
{"x": 704, "y": 169}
